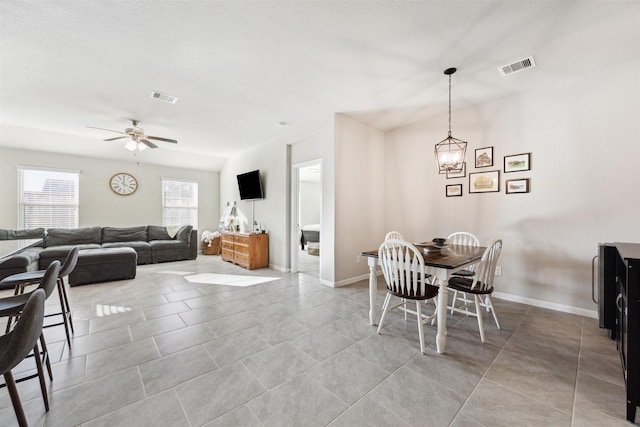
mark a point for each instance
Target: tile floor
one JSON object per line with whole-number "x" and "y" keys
{"x": 160, "y": 351}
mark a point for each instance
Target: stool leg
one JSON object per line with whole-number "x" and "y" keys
{"x": 67, "y": 305}
{"x": 43, "y": 385}
{"x": 65, "y": 314}
{"x": 15, "y": 399}
{"x": 45, "y": 356}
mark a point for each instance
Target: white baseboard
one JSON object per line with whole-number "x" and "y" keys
{"x": 550, "y": 305}
{"x": 280, "y": 269}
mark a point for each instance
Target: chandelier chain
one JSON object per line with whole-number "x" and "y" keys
{"x": 449, "y": 105}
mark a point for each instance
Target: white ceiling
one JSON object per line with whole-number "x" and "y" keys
{"x": 240, "y": 67}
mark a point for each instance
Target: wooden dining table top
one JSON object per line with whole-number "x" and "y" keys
{"x": 449, "y": 257}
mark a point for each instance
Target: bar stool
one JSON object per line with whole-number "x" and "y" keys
{"x": 16, "y": 346}
{"x": 19, "y": 281}
{"x": 13, "y": 306}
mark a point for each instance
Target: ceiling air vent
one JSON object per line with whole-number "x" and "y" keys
{"x": 523, "y": 64}
{"x": 164, "y": 97}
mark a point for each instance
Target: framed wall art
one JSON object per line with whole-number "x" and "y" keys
{"x": 484, "y": 182}
{"x": 517, "y": 162}
{"x": 515, "y": 186}
{"x": 461, "y": 174}
{"x": 454, "y": 190}
{"x": 484, "y": 157}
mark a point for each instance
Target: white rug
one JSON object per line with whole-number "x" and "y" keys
{"x": 180, "y": 273}
{"x": 229, "y": 279}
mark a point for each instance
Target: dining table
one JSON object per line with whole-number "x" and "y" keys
{"x": 441, "y": 262}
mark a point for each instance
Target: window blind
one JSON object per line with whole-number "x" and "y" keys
{"x": 179, "y": 203}
{"x": 47, "y": 198}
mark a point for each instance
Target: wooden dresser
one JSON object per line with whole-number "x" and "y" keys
{"x": 248, "y": 250}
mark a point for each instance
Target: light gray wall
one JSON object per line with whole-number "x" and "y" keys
{"x": 359, "y": 198}
{"x": 584, "y": 138}
{"x": 310, "y": 198}
{"x": 98, "y": 204}
{"x": 271, "y": 211}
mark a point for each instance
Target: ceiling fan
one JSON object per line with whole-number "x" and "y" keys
{"x": 137, "y": 139}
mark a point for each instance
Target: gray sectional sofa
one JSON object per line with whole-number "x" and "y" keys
{"x": 103, "y": 250}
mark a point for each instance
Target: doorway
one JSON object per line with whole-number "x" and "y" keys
{"x": 307, "y": 208}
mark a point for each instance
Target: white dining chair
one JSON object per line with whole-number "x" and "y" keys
{"x": 407, "y": 278}
{"x": 481, "y": 285}
{"x": 464, "y": 239}
{"x": 393, "y": 235}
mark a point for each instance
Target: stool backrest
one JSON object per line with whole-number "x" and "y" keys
{"x": 26, "y": 333}
{"x": 70, "y": 262}
{"x": 48, "y": 282}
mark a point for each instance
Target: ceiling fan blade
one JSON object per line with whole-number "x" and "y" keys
{"x": 110, "y": 130}
{"x": 148, "y": 143}
{"x": 163, "y": 139}
{"x": 116, "y": 138}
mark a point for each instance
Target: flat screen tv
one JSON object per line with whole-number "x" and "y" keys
{"x": 250, "y": 185}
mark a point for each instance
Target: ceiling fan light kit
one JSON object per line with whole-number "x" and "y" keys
{"x": 450, "y": 151}
{"x": 137, "y": 139}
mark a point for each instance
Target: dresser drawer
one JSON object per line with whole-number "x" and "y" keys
{"x": 242, "y": 239}
{"x": 227, "y": 244}
{"x": 241, "y": 249}
{"x": 227, "y": 254}
{"x": 241, "y": 259}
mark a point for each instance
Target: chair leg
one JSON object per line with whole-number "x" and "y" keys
{"x": 493, "y": 310}
{"x": 384, "y": 310}
{"x": 67, "y": 305}
{"x": 45, "y": 356}
{"x": 404, "y": 305}
{"x": 63, "y": 307}
{"x": 420, "y": 326}
{"x": 15, "y": 399}
{"x": 453, "y": 303}
{"x": 479, "y": 315}
{"x": 43, "y": 385}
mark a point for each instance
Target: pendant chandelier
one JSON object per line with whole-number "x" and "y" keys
{"x": 450, "y": 151}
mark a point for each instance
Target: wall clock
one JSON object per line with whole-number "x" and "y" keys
{"x": 123, "y": 183}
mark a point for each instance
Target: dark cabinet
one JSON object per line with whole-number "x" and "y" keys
{"x": 627, "y": 304}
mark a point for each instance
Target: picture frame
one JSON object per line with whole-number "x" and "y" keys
{"x": 517, "y": 163}
{"x": 484, "y": 157}
{"x": 454, "y": 190}
{"x": 484, "y": 182}
{"x": 517, "y": 186}
{"x": 461, "y": 174}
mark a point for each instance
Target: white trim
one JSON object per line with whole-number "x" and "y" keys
{"x": 545, "y": 304}
{"x": 48, "y": 169}
{"x": 278, "y": 268}
{"x": 180, "y": 180}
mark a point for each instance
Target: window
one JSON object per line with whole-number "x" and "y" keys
{"x": 47, "y": 198}
{"x": 179, "y": 203}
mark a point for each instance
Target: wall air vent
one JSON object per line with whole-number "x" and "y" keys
{"x": 523, "y": 64}
{"x": 164, "y": 97}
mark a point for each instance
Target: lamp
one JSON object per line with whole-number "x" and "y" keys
{"x": 450, "y": 151}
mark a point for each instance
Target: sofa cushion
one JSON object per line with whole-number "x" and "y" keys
{"x": 35, "y": 233}
{"x": 22, "y": 258}
{"x": 143, "y": 249}
{"x": 73, "y": 236}
{"x": 60, "y": 253}
{"x": 169, "y": 250}
{"x": 125, "y": 234}
{"x": 156, "y": 232}
{"x": 184, "y": 234}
